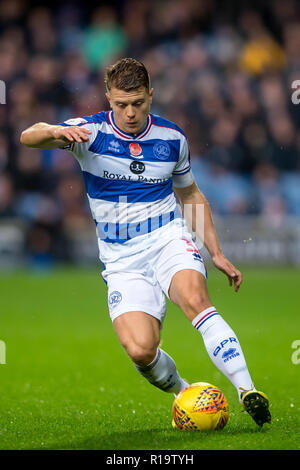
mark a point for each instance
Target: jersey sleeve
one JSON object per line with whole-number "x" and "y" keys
{"x": 79, "y": 149}
{"x": 182, "y": 173}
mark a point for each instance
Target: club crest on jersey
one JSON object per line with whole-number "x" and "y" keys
{"x": 135, "y": 150}
{"x": 162, "y": 150}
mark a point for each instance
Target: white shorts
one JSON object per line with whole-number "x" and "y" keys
{"x": 140, "y": 282}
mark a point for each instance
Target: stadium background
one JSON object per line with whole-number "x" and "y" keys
{"x": 221, "y": 71}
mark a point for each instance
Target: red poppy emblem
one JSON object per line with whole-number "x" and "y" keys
{"x": 135, "y": 148}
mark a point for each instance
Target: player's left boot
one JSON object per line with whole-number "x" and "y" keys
{"x": 257, "y": 405}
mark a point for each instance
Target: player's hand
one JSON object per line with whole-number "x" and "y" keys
{"x": 234, "y": 275}
{"x": 71, "y": 133}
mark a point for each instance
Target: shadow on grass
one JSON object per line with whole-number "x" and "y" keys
{"x": 160, "y": 439}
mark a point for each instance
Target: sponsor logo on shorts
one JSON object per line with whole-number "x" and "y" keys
{"x": 193, "y": 249}
{"x": 114, "y": 298}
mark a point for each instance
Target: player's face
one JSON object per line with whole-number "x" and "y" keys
{"x": 130, "y": 108}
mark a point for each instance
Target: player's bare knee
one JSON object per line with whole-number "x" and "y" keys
{"x": 195, "y": 303}
{"x": 141, "y": 355}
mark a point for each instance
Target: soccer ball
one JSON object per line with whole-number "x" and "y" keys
{"x": 200, "y": 407}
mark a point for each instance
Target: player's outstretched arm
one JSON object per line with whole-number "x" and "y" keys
{"x": 191, "y": 195}
{"x": 46, "y": 136}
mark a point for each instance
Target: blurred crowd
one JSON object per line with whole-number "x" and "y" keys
{"x": 223, "y": 71}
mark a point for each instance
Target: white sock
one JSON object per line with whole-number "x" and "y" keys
{"x": 223, "y": 348}
{"x": 162, "y": 373}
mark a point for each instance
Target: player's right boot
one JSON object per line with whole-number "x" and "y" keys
{"x": 257, "y": 405}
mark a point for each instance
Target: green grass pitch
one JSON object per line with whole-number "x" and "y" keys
{"x": 68, "y": 384}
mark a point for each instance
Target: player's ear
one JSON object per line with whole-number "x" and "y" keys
{"x": 108, "y": 98}
{"x": 151, "y": 94}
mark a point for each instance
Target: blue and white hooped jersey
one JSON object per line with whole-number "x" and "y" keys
{"x": 129, "y": 179}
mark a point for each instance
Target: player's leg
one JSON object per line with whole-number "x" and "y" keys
{"x": 188, "y": 290}
{"x": 182, "y": 275}
{"x": 130, "y": 295}
{"x": 139, "y": 334}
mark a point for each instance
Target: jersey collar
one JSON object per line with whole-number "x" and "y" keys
{"x": 126, "y": 135}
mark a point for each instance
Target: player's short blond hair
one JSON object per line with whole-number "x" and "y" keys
{"x": 127, "y": 75}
